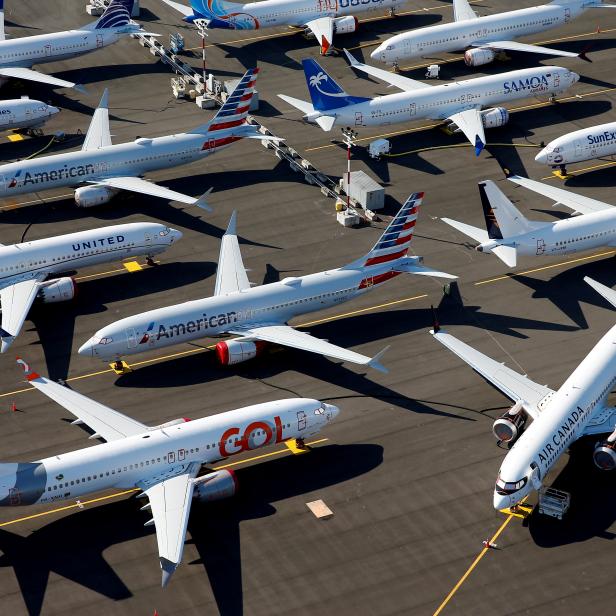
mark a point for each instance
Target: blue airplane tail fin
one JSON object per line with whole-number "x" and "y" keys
{"x": 217, "y": 13}
{"x": 325, "y": 93}
{"x": 117, "y": 14}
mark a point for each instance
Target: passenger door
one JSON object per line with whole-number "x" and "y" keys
{"x": 131, "y": 338}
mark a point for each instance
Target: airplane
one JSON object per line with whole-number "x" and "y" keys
{"x": 25, "y": 112}
{"x": 17, "y": 56}
{"x": 485, "y": 37}
{"x": 164, "y": 461}
{"x": 27, "y": 268}
{"x": 102, "y": 169}
{"x": 323, "y": 18}
{"x": 259, "y": 315}
{"x": 509, "y": 233}
{"x": 460, "y": 103}
{"x": 579, "y": 408}
{"x": 579, "y": 145}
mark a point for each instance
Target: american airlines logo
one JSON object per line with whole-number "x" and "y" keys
{"x": 41, "y": 177}
{"x": 608, "y": 135}
{"x": 530, "y": 83}
{"x": 194, "y": 325}
{"x": 104, "y": 241}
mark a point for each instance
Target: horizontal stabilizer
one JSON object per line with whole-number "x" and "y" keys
{"x": 606, "y": 292}
{"x": 479, "y": 235}
{"x": 180, "y": 8}
{"x": 304, "y": 106}
{"x": 326, "y": 122}
{"x": 421, "y": 270}
{"x": 507, "y": 254}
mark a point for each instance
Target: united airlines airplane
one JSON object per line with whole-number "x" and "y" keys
{"x": 17, "y": 56}
{"x": 167, "y": 462}
{"x": 509, "y": 233}
{"x": 259, "y": 315}
{"x": 323, "y": 18}
{"x": 101, "y": 169}
{"x": 27, "y": 269}
{"x": 465, "y": 105}
{"x": 484, "y": 37}
{"x": 560, "y": 417}
{"x": 25, "y": 112}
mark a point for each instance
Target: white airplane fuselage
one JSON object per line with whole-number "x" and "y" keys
{"x": 162, "y": 450}
{"x": 24, "y": 113}
{"x": 562, "y": 419}
{"x": 460, "y": 35}
{"x": 437, "y": 102}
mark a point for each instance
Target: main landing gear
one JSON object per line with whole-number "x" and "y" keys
{"x": 120, "y": 367}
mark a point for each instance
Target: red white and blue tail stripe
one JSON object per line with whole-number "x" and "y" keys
{"x": 235, "y": 109}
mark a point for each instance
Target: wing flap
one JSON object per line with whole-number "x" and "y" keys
{"x": 323, "y": 30}
{"x": 231, "y": 274}
{"x": 470, "y": 123}
{"x": 602, "y": 421}
{"x": 20, "y": 72}
{"x": 16, "y": 301}
{"x": 515, "y": 46}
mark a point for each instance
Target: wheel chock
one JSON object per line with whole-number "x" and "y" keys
{"x": 124, "y": 369}
{"x": 294, "y": 449}
{"x": 518, "y": 511}
{"x": 560, "y": 175}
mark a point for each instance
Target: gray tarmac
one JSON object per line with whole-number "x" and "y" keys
{"x": 409, "y": 466}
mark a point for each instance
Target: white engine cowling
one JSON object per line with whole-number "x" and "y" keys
{"x": 58, "y": 290}
{"x": 478, "y": 57}
{"x": 508, "y": 426}
{"x": 495, "y": 117}
{"x": 604, "y": 454}
{"x": 236, "y": 351}
{"x": 90, "y": 196}
{"x": 345, "y": 25}
{"x": 215, "y": 486}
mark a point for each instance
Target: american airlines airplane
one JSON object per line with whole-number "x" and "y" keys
{"x": 579, "y": 408}
{"x": 509, "y": 233}
{"x": 323, "y": 18}
{"x": 25, "y": 112}
{"x": 17, "y": 56}
{"x": 167, "y": 462}
{"x": 27, "y": 269}
{"x": 484, "y": 37}
{"x": 259, "y": 315}
{"x": 580, "y": 145}
{"x": 465, "y": 105}
{"x": 100, "y": 169}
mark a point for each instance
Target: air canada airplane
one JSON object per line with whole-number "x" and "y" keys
{"x": 465, "y": 105}
{"x": 25, "y": 113}
{"x": 27, "y": 269}
{"x": 509, "y": 233}
{"x": 165, "y": 461}
{"x": 484, "y": 37}
{"x": 259, "y": 315}
{"x": 579, "y": 408}
{"x": 17, "y": 56}
{"x": 101, "y": 169}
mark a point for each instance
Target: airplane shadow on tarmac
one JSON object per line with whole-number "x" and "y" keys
{"x": 73, "y": 546}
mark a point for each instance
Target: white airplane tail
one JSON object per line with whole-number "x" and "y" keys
{"x": 2, "y": 33}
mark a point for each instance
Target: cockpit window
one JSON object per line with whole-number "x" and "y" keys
{"x": 319, "y": 411}
{"x": 509, "y": 487}
{"x": 165, "y": 231}
{"x": 105, "y": 340}
{"x": 389, "y": 47}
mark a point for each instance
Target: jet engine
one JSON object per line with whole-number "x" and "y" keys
{"x": 495, "y": 117}
{"x": 478, "y": 57}
{"x": 509, "y": 425}
{"x": 236, "y": 351}
{"x": 604, "y": 454}
{"x": 90, "y": 196}
{"x": 345, "y": 25}
{"x": 58, "y": 290}
{"x": 215, "y": 486}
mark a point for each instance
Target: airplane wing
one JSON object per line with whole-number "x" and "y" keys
{"x": 323, "y": 30}
{"x": 288, "y": 336}
{"x": 404, "y": 83}
{"x": 98, "y": 135}
{"x": 16, "y": 301}
{"x": 607, "y": 293}
{"x": 105, "y": 422}
{"x": 471, "y": 124}
{"x": 20, "y": 72}
{"x": 462, "y": 10}
{"x": 578, "y": 203}
{"x": 180, "y": 8}
{"x": 515, "y": 386}
{"x": 602, "y": 421}
{"x": 231, "y": 274}
{"x": 515, "y": 46}
{"x": 141, "y": 186}
{"x": 170, "y": 501}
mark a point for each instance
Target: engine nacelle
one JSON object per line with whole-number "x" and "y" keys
{"x": 215, "y": 486}
{"x": 495, "y": 117}
{"x": 236, "y": 351}
{"x": 173, "y": 422}
{"x": 90, "y": 196}
{"x": 58, "y": 290}
{"x": 478, "y": 57}
{"x": 345, "y": 25}
{"x": 604, "y": 455}
{"x": 508, "y": 426}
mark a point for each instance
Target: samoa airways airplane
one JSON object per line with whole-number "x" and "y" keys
{"x": 259, "y": 315}
{"x": 579, "y": 408}
{"x": 484, "y": 37}
{"x": 17, "y": 56}
{"x": 580, "y": 145}
{"x": 164, "y": 461}
{"x": 463, "y": 104}
{"x": 26, "y": 268}
{"x": 25, "y": 112}
{"x": 101, "y": 169}
{"x": 509, "y": 233}
{"x": 323, "y": 18}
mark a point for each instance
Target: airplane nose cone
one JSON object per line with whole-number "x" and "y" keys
{"x": 501, "y": 501}
{"x": 574, "y": 77}
{"x": 331, "y": 410}
{"x": 87, "y": 349}
{"x": 542, "y": 157}
{"x": 176, "y": 235}
{"x": 53, "y": 110}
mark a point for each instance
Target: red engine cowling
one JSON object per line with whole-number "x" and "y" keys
{"x": 495, "y": 117}
{"x": 58, "y": 290}
{"x": 478, "y": 57}
{"x": 236, "y": 351}
{"x": 215, "y": 486}
{"x": 90, "y": 196}
{"x": 345, "y": 25}
{"x": 508, "y": 426}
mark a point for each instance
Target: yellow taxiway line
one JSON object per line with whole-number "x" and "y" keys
{"x": 582, "y": 170}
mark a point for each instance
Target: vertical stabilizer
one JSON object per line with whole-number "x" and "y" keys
{"x": 116, "y": 15}
{"x": 462, "y": 10}
{"x": 2, "y": 34}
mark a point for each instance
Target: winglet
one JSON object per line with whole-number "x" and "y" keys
{"x": 582, "y": 55}
{"x": 231, "y": 227}
{"x": 6, "y": 340}
{"x": 168, "y": 569}
{"x": 80, "y": 88}
{"x": 202, "y": 203}
{"x": 479, "y": 145}
{"x": 375, "y": 361}
{"x": 606, "y": 292}
{"x": 104, "y": 104}
{"x": 325, "y": 45}
{"x": 351, "y": 58}
{"x": 436, "y": 327}
{"x": 30, "y": 374}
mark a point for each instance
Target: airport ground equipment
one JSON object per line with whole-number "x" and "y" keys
{"x": 364, "y": 191}
{"x": 554, "y": 503}
{"x": 379, "y": 148}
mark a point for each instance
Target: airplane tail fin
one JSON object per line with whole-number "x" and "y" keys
{"x": 462, "y": 10}
{"x": 2, "y": 34}
{"x": 215, "y": 12}
{"x": 116, "y": 15}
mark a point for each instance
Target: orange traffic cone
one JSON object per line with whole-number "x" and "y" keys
{"x": 13, "y": 407}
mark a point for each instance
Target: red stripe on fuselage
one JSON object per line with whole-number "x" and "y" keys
{"x": 370, "y": 282}
{"x": 384, "y": 258}
{"x": 212, "y": 144}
